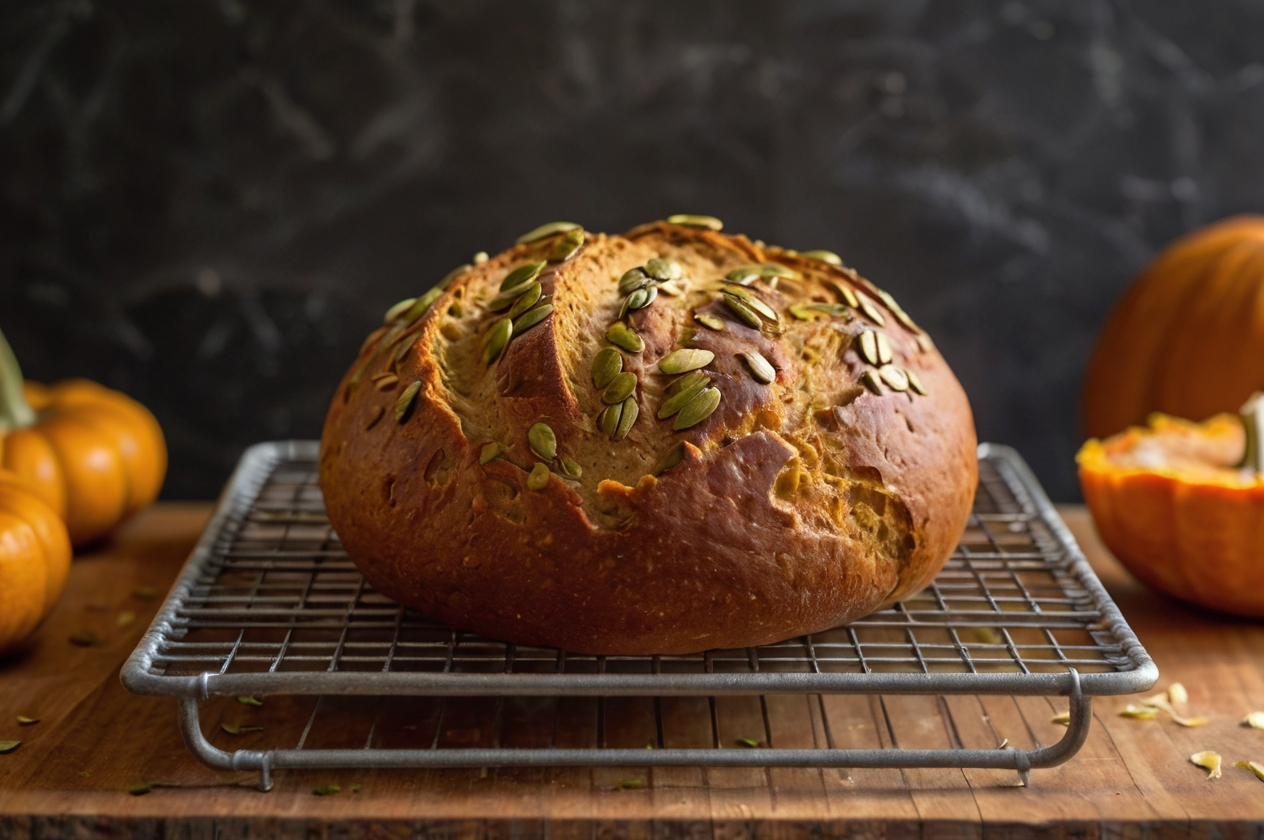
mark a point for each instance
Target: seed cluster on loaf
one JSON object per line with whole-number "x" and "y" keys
{"x": 665, "y": 441}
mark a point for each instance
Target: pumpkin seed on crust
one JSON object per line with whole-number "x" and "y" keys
{"x": 663, "y": 270}
{"x": 801, "y": 312}
{"x": 404, "y": 405}
{"x": 398, "y": 309}
{"x": 542, "y": 441}
{"x": 385, "y": 381}
{"x": 696, "y": 410}
{"x": 691, "y": 220}
{"x": 821, "y": 255}
{"x": 680, "y": 383}
{"x": 742, "y": 311}
{"x": 507, "y": 298}
{"x": 685, "y": 360}
{"x": 532, "y": 317}
{"x": 753, "y": 301}
{"x": 542, "y": 231}
{"x": 627, "y": 417}
{"x": 375, "y": 414}
{"x": 709, "y": 321}
{"x": 522, "y": 274}
{"x": 621, "y": 335}
{"x": 675, "y": 402}
{"x": 884, "y": 349}
{"x": 497, "y": 339}
{"x": 620, "y": 388}
{"x": 915, "y": 383}
{"x": 673, "y": 458}
{"x": 607, "y": 364}
{"x": 760, "y": 368}
{"x": 633, "y": 279}
{"x": 871, "y": 311}
{"x": 871, "y": 382}
{"x": 488, "y": 453}
{"x": 867, "y": 344}
{"x": 844, "y": 292}
{"x": 530, "y": 295}
{"x": 896, "y": 379}
{"x": 539, "y": 477}
{"x": 608, "y": 419}
{"x": 567, "y": 245}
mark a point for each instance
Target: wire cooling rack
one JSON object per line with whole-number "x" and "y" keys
{"x": 270, "y": 604}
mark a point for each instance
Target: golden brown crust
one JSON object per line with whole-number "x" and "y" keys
{"x": 797, "y": 505}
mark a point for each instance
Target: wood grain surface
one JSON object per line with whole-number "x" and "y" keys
{"x": 72, "y": 773}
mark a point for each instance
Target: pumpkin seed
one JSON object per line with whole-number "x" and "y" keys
{"x": 801, "y": 311}
{"x": 542, "y": 440}
{"x": 452, "y": 275}
{"x": 325, "y": 790}
{"x": 871, "y": 382}
{"x": 633, "y": 279}
{"x": 385, "y": 381}
{"x": 571, "y": 468}
{"x": 685, "y": 360}
{"x": 868, "y": 344}
{"x": 697, "y": 409}
{"x": 924, "y": 343}
{"x": 638, "y": 299}
{"x": 753, "y": 301}
{"x": 247, "y": 700}
{"x": 546, "y": 230}
{"x": 689, "y": 220}
{"x": 747, "y": 742}
{"x": 398, "y": 309}
{"x": 663, "y": 269}
{"x": 375, "y": 414}
{"x": 84, "y": 638}
{"x": 507, "y": 298}
{"x": 621, "y": 335}
{"x": 741, "y": 279}
{"x": 9, "y": 746}
{"x": 915, "y": 383}
{"x": 884, "y": 349}
{"x": 405, "y": 348}
{"x": 145, "y": 593}
{"x": 488, "y": 453}
{"x": 894, "y": 377}
{"x": 620, "y": 388}
{"x": 903, "y": 318}
{"x": 141, "y": 789}
{"x": 1209, "y": 761}
{"x": 764, "y": 270}
{"x": 844, "y": 292}
{"x": 420, "y": 306}
{"x": 1256, "y": 768}
{"x": 23, "y": 720}
{"x": 521, "y": 274}
{"x": 824, "y": 256}
{"x": 527, "y": 299}
{"x": 124, "y": 618}
{"x": 607, "y": 364}
{"x": 871, "y": 311}
{"x": 608, "y": 419}
{"x": 673, "y": 458}
{"x": 670, "y": 288}
{"x": 674, "y": 403}
{"x": 709, "y": 321}
{"x": 497, "y": 338}
{"x": 404, "y": 405}
{"x": 829, "y": 308}
{"x": 539, "y": 477}
{"x": 741, "y": 310}
{"x": 480, "y": 257}
{"x": 680, "y": 383}
{"x": 760, "y": 368}
{"x": 237, "y": 729}
{"x": 531, "y": 318}
{"x": 628, "y": 417}
{"x": 566, "y": 245}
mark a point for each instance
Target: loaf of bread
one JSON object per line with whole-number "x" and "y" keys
{"x": 662, "y": 442}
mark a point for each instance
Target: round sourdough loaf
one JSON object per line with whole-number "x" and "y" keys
{"x": 661, "y": 442}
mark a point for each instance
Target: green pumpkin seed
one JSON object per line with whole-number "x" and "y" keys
{"x": 760, "y": 368}
{"x": 420, "y": 306}
{"x": 546, "y": 230}
{"x": 633, "y": 279}
{"x": 398, "y": 309}
{"x": 608, "y": 419}
{"x": 527, "y": 299}
{"x": 673, "y": 458}
{"x": 824, "y": 256}
{"x": 903, "y": 318}
{"x": 741, "y": 310}
{"x": 404, "y": 405}
{"x": 9, "y": 746}
{"x": 521, "y": 274}
{"x": 697, "y": 409}
{"x": 690, "y": 220}
{"x": 326, "y": 790}
{"x": 488, "y": 453}
{"x": 620, "y": 388}
{"x": 628, "y": 416}
{"x": 764, "y": 270}
{"x": 709, "y": 321}
{"x": 753, "y": 301}
{"x": 375, "y": 414}
{"x": 607, "y": 364}
{"x": 452, "y": 275}
{"x": 872, "y": 312}
{"x": 638, "y": 299}
{"x": 542, "y": 440}
{"x": 497, "y": 339}
{"x": 404, "y": 349}
{"x": 507, "y": 298}
{"x": 868, "y": 344}
{"x": 871, "y": 382}
{"x": 844, "y": 292}
{"x": 674, "y": 403}
{"x": 531, "y": 318}
{"x": 915, "y": 383}
{"x": 690, "y": 379}
{"x": 741, "y": 278}
{"x": 539, "y": 477}
{"x": 663, "y": 270}
{"x": 685, "y": 360}
{"x": 801, "y": 311}
{"x": 895, "y": 378}
{"x": 884, "y": 349}
{"x": 670, "y": 288}
{"x": 621, "y": 335}
{"x": 924, "y": 343}
{"x": 571, "y": 468}
{"x": 566, "y": 246}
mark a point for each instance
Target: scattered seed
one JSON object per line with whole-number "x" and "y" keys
{"x": 621, "y": 335}
{"x": 546, "y": 230}
{"x": 497, "y": 338}
{"x": 326, "y": 790}
{"x": 140, "y": 790}
{"x": 987, "y": 636}
{"x": 690, "y": 379}
{"x": 868, "y": 346}
{"x": 871, "y": 382}
{"x": 1177, "y": 694}
{"x": 697, "y": 409}
{"x": 915, "y": 383}
{"x": 1138, "y": 712}
{"x": 539, "y": 477}
{"x": 742, "y": 311}
{"x": 144, "y": 593}
{"x": 488, "y": 453}
{"x": 398, "y": 309}
{"x": 608, "y": 419}
{"x": 404, "y": 405}
{"x": 760, "y": 368}
{"x": 530, "y": 294}
{"x": 1255, "y": 768}
{"x": 871, "y": 311}
{"x": 673, "y": 458}
{"x": 674, "y": 403}
{"x": 357, "y": 788}
{"x": 688, "y": 220}
{"x": 747, "y": 742}
{"x": 824, "y": 256}
{"x": 685, "y": 360}
{"x": 663, "y": 270}
{"x": 620, "y": 388}
{"x": 237, "y": 729}
{"x": 566, "y": 245}
{"x": 531, "y": 318}
{"x": 895, "y": 378}
{"x": 631, "y": 784}
{"x": 23, "y": 720}
{"x": 84, "y": 638}
{"x": 247, "y": 700}
{"x": 633, "y": 279}
{"x": 1209, "y": 761}
{"x": 124, "y": 618}
{"x": 607, "y": 364}
{"x": 709, "y": 321}
{"x": 627, "y": 417}
{"x": 1063, "y": 718}
{"x": 571, "y": 468}
{"x": 522, "y": 274}
{"x": 1255, "y": 720}
{"x": 542, "y": 440}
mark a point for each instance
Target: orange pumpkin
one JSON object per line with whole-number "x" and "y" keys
{"x": 94, "y": 455}
{"x": 34, "y": 559}
{"x": 1188, "y": 337}
{"x": 1175, "y": 506}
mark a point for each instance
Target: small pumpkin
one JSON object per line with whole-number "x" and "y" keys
{"x": 1181, "y": 504}
{"x": 34, "y": 559}
{"x": 94, "y": 455}
{"x": 1188, "y": 337}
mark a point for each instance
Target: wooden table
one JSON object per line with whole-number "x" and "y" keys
{"x": 94, "y": 741}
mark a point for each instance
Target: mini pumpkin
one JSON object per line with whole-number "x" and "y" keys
{"x": 94, "y": 455}
{"x": 1181, "y": 504}
{"x": 34, "y": 559}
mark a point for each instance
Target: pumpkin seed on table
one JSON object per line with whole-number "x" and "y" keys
{"x": 404, "y": 405}
{"x": 709, "y": 321}
{"x": 691, "y": 220}
{"x": 696, "y": 410}
{"x": 571, "y": 468}
{"x": 621, "y": 335}
{"x": 663, "y": 269}
{"x": 497, "y": 339}
{"x": 607, "y": 364}
{"x": 375, "y": 414}
{"x": 566, "y": 245}
{"x": 539, "y": 477}
{"x": 530, "y": 294}
{"x": 915, "y": 383}
{"x": 532, "y": 317}
{"x": 868, "y": 346}
{"x": 620, "y": 388}
{"x": 549, "y": 229}
{"x": 633, "y": 279}
{"x": 488, "y": 453}
{"x": 627, "y": 417}
{"x": 690, "y": 379}
{"x": 821, "y": 255}
{"x": 872, "y": 382}
{"x": 9, "y": 746}
{"x": 675, "y": 402}
{"x": 542, "y": 440}
{"x": 685, "y": 360}
{"x": 673, "y": 458}
{"x": 760, "y": 368}
{"x": 742, "y": 311}
{"x": 896, "y": 379}
{"x": 608, "y": 419}
{"x": 522, "y": 274}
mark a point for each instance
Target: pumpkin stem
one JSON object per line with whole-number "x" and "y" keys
{"x": 1252, "y": 414}
{"x": 15, "y": 411}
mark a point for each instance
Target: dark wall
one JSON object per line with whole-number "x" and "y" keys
{"x": 208, "y": 203}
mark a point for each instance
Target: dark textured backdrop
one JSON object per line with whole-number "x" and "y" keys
{"x": 208, "y": 203}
